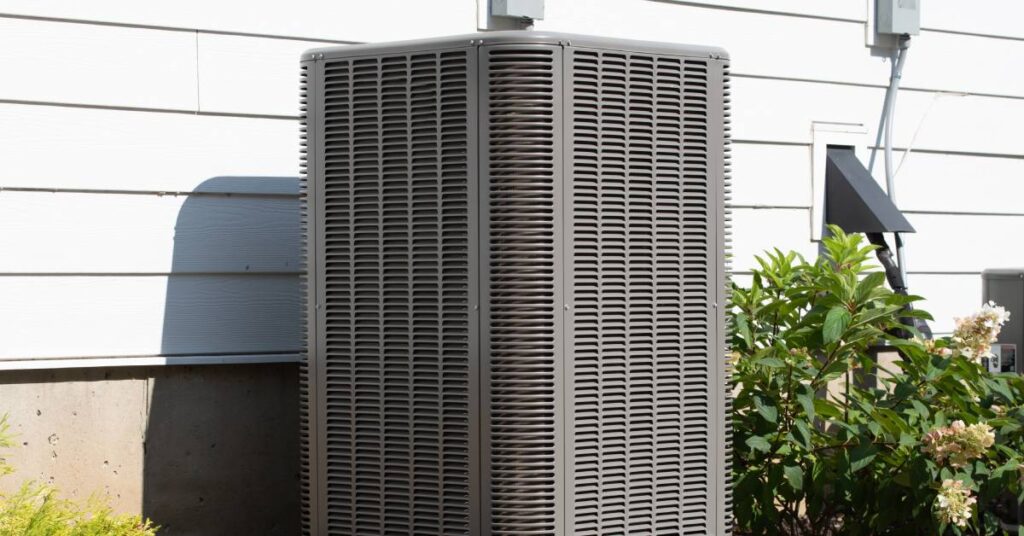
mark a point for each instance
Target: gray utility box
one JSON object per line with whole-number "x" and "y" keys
{"x": 520, "y": 9}
{"x": 1005, "y": 286}
{"x": 516, "y": 283}
{"x": 898, "y": 17}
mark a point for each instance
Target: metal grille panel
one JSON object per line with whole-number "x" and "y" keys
{"x": 726, "y": 463}
{"x": 512, "y": 332}
{"x": 644, "y": 278}
{"x": 305, "y": 379}
{"x": 395, "y": 238}
{"x": 520, "y": 112}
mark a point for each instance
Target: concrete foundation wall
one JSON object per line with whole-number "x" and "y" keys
{"x": 204, "y": 450}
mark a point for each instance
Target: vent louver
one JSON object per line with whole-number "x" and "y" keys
{"x": 725, "y": 243}
{"x": 394, "y": 234}
{"x": 643, "y": 232}
{"x": 516, "y": 252}
{"x": 520, "y": 338}
{"x": 306, "y": 380}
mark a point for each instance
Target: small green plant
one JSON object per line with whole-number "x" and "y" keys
{"x": 36, "y": 510}
{"x": 828, "y": 442}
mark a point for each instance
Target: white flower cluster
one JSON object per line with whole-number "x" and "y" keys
{"x": 954, "y": 503}
{"x": 958, "y": 443}
{"x": 933, "y": 348}
{"x": 974, "y": 334}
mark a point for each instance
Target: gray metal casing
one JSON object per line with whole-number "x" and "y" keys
{"x": 516, "y": 257}
{"x": 1005, "y": 286}
{"x": 528, "y": 9}
{"x": 898, "y": 17}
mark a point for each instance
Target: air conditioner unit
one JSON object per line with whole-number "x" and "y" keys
{"x": 516, "y": 286}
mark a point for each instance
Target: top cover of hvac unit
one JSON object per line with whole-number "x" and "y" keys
{"x": 516, "y": 283}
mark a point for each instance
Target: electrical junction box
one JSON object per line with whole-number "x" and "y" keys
{"x": 898, "y": 17}
{"x": 520, "y": 9}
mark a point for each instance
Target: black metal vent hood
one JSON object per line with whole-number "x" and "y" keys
{"x": 854, "y": 201}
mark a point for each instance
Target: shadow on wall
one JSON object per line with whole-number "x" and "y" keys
{"x": 221, "y": 449}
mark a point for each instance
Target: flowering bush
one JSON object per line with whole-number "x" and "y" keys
{"x": 954, "y": 502}
{"x": 975, "y": 334}
{"x": 829, "y": 439}
{"x": 958, "y": 443}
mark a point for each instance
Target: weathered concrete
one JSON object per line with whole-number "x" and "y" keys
{"x": 203, "y": 450}
{"x": 81, "y": 430}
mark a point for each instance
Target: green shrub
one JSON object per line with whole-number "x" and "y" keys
{"x": 35, "y": 510}
{"x": 930, "y": 447}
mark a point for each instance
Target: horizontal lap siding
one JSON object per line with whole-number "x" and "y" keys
{"x": 782, "y": 111}
{"x": 947, "y": 297}
{"x": 140, "y": 223}
{"x": 380, "y": 20}
{"x": 66, "y": 148}
{"x": 111, "y": 233}
{"x": 128, "y": 315}
{"x": 249, "y": 75}
{"x": 943, "y": 243}
{"x": 325, "y": 19}
{"x": 109, "y": 65}
{"x": 159, "y": 109}
{"x": 783, "y": 46}
{"x": 774, "y": 175}
{"x": 991, "y": 18}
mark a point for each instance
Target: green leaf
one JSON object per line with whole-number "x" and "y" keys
{"x": 866, "y": 285}
{"x": 999, "y": 386}
{"x": 806, "y": 399}
{"x": 795, "y": 476}
{"x": 827, "y": 409}
{"x": 766, "y": 407}
{"x": 743, "y": 328}
{"x": 802, "y": 433}
{"x": 891, "y": 421}
{"x": 918, "y": 313}
{"x": 861, "y": 456}
{"x": 900, "y": 299}
{"x": 771, "y": 362}
{"x": 836, "y": 321}
{"x": 922, "y": 410}
{"x": 758, "y": 443}
{"x": 869, "y": 316}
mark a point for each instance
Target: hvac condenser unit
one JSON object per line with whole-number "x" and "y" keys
{"x": 516, "y": 286}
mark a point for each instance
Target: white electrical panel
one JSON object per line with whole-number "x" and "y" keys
{"x": 898, "y": 17}
{"x": 521, "y": 9}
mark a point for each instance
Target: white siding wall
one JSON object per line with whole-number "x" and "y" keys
{"x": 148, "y": 151}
